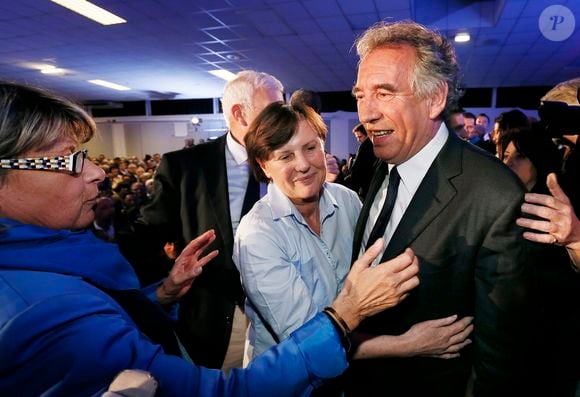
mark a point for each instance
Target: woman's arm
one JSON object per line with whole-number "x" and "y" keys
{"x": 441, "y": 338}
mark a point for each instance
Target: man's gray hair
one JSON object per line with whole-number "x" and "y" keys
{"x": 566, "y": 91}
{"x": 241, "y": 90}
{"x": 436, "y": 62}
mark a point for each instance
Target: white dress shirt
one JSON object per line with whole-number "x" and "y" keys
{"x": 412, "y": 173}
{"x": 238, "y": 171}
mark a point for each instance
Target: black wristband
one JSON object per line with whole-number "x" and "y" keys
{"x": 342, "y": 332}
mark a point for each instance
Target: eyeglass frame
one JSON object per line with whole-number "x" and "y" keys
{"x": 72, "y": 163}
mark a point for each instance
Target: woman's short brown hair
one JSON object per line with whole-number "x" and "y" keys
{"x": 273, "y": 128}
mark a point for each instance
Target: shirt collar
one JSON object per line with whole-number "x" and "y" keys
{"x": 237, "y": 150}
{"x": 282, "y": 206}
{"x": 413, "y": 170}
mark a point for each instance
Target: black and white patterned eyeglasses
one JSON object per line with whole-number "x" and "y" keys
{"x": 72, "y": 163}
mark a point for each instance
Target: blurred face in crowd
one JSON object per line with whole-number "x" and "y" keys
{"x": 469, "y": 126}
{"x": 457, "y": 124}
{"x": 53, "y": 199}
{"x": 104, "y": 210}
{"x": 482, "y": 121}
{"x": 398, "y": 122}
{"x": 360, "y": 137}
{"x": 521, "y": 165}
{"x": 299, "y": 167}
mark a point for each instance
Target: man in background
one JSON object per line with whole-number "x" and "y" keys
{"x": 209, "y": 186}
{"x": 363, "y": 164}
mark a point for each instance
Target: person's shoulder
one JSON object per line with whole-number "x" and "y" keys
{"x": 64, "y": 299}
{"x": 343, "y": 195}
{"x": 339, "y": 190}
{"x": 259, "y": 216}
{"x": 488, "y": 172}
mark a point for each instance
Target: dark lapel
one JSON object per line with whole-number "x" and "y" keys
{"x": 433, "y": 195}
{"x": 380, "y": 172}
{"x": 216, "y": 179}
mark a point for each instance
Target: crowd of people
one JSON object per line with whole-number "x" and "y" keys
{"x": 455, "y": 255}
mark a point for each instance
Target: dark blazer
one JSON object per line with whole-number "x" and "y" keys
{"x": 461, "y": 225}
{"x": 362, "y": 169}
{"x": 192, "y": 197}
{"x": 488, "y": 146}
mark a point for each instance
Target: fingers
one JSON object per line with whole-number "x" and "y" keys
{"x": 453, "y": 350}
{"x": 543, "y": 238}
{"x": 408, "y": 274}
{"x": 461, "y": 335}
{"x": 445, "y": 356}
{"x": 455, "y": 331}
{"x": 441, "y": 322}
{"x": 465, "y": 322}
{"x": 206, "y": 259}
{"x": 401, "y": 262}
{"x": 541, "y": 226}
{"x": 200, "y": 243}
{"x": 369, "y": 256}
{"x": 555, "y": 189}
{"x": 545, "y": 210}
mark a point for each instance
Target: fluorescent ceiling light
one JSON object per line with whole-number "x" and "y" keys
{"x": 90, "y": 11}
{"x": 223, "y": 74}
{"x": 53, "y": 70}
{"x": 462, "y": 37}
{"x": 108, "y": 84}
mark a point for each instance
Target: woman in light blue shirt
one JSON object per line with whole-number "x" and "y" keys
{"x": 293, "y": 248}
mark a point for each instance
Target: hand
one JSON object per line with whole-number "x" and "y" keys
{"x": 187, "y": 267}
{"x": 440, "y": 338}
{"x": 369, "y": 290}
{"x": 559, "y": 224}
{"x": 332, "y": 169}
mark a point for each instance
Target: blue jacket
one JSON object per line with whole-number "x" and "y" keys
{"x": 61, "y": 336}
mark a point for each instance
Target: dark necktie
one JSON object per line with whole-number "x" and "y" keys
{"x": 383, "y": 219}
{"x": 252, "y": 195}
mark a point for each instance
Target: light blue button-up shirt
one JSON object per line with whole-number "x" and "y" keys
{"x": 290, "y": 273}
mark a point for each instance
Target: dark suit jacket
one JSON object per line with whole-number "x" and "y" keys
{"x": 362, "y": 169}
{"x": 192, "y": 197}
{"x": 488, "y": 146}
{"x": 461, "y": 225}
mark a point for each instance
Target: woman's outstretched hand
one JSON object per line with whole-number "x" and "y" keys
{"x": 187, "y": 267}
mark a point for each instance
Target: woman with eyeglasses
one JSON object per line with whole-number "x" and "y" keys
{"x": 72, "y": 315}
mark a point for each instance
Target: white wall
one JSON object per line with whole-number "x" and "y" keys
{"x": 137, "y": 136}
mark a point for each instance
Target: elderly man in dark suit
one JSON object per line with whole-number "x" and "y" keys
{"x": 209, "y": 186}
{"x": 453, "y": 205}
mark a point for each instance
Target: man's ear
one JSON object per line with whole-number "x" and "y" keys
{"x": 438, "y": 101}
{"x": 238, "y": 114}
